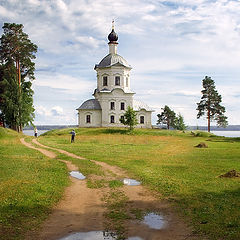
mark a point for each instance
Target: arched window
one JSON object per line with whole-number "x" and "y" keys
{"x": 88, "y": 119}
{"x": 112, "y": 105}
{"x": 126, "y": 81}
{"x": 117, "y": 81}
{"x": 141, "y": 119}
{"x": 112, "y": 120}
{"x": 122, "y": 106}
{"x": 105, "y": 81}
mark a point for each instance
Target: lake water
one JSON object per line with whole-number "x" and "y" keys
{"x": 31, "y": 132}
{"x": 218, "y": 133}
{"x": 227, "y": 133}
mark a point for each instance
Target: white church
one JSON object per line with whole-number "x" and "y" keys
{"x": 113, "y": 93}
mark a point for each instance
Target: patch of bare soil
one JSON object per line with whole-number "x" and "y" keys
{"x": 82, "y": 209}
{"x": 231, "y": 174}
{"x": 202, "y": 145}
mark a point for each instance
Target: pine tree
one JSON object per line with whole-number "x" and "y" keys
{"x": 167, "y": 117}
{"x": 129, "y": 118}
{"x": 179, "y": 123}
{"x": 16, "y": 55}
{"x": 210, "y": 104}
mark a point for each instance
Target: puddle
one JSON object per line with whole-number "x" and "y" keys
{"x": 131, "y": 182}
{"x": 94, "y": 235}
{"x": 154, "y": 221}
{"x": 77, "y": 175}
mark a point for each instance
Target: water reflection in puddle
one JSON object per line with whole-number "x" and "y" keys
{"x": 77, "y": 175}
{"x": 95, "y": 235}
{"x": 154, "y": 221}
{"x": 131, "y": 182}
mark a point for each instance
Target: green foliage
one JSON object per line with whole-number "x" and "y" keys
{"x": 16, "y": 97}
{"x": 17, "y": 106}
{"x": 167, "y": 117}
{"x": 179, "y": 123}
{"x": 210, "y": 104}
{"x": 129, "y": 118}
{"x": 16, "y": 46}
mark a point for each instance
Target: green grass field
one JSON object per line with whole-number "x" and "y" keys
{"x": 30, "y": 184}
{"x": 168, "y": 162}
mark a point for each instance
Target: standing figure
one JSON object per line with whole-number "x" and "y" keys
{"x": 73, "y": 135}
{"x": 35, "y": 132}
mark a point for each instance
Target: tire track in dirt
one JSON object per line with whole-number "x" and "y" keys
{"x": 82, "y": 209}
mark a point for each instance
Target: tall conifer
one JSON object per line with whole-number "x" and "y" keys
{"x": 16, "y": 55}
{"x": 210, "y": 104}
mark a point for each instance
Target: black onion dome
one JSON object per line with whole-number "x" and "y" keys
{"x": 112, "y": 37}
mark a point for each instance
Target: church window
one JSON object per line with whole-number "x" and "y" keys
{"x": 117, "y": 81}
{"x": 127, "y": 82}
{"x": 105, "y": 81}
{"x": 121, "y": 118}
{"x": 142, "y": 119}
{"x": 122, "y": 106}
{"x": 112, "y": 119}
{"x": 88, "y": 119}
{"x": 112, "y": 105}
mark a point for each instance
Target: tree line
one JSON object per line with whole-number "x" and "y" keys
{"x": 209, "y": 106}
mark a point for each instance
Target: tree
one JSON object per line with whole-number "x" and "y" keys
{"x": 167, "y": 117}
{"x": 129, "y": 118}
{"x": 16, "y": 55}
{"x": 179, "y": 122}
{"x": 210, "y": 104}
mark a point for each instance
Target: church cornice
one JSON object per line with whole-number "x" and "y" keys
{"x": 106, "y": 91}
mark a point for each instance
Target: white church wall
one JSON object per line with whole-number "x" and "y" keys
{"x": 111, "y": 73}
{"x": 95, "y": 118}
{"x": 147, "y": 119}
{"x": 117, "y": 96}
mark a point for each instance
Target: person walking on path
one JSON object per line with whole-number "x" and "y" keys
{"x": 35, "y": 132}
{"x": 73, "y": 135}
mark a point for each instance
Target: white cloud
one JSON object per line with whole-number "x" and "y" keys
{"x": 55, "y": 115}
{"x": 171, "y": 46}
{"x": 63, "y": 81}
{"x": 57, "y": 111}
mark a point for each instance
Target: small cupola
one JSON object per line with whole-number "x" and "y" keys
{"x": 112, "y": 37}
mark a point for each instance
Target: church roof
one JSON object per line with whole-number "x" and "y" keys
{"x": 138, "y": 105}
{"x": 112, "y": 59}
{"x": 91, "y": 104}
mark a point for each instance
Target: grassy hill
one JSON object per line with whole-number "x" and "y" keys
{"x": 168, "y": 162}
{"x": 29, "y": 186}
{"x": 165, "y": 161}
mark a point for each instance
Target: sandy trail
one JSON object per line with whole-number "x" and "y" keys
{"x": 81, "y": 209}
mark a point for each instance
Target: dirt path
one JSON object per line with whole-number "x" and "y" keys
{"x": 82, "y": 210}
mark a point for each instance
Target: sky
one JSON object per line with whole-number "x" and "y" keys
{"x": 171, "y": 46}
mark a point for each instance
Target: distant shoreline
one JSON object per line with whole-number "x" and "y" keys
{"x": 50, "y": 127}
{"x": 201, "y": 128}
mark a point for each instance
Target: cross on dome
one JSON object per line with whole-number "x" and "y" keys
{"x": 112, "y": 37}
